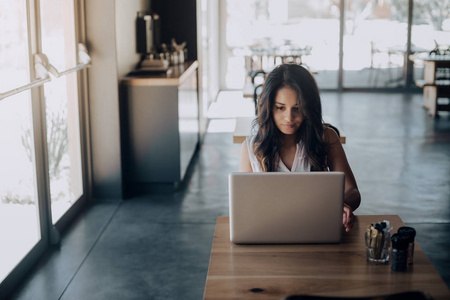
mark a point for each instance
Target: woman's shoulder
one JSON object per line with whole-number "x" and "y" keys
{"x": 248, "y": 142}
{"x": 249, "y": 139}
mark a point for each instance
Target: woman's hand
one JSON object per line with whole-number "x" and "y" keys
{"x": 348, "y": 218}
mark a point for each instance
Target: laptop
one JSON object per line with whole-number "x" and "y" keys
{"x": 286, "y": 208}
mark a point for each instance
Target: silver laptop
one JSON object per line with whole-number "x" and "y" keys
{"x": 286, "y": 208}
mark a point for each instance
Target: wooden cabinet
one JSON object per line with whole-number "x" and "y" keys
{"x": 436, "y": 84}
{"x": 160, "y": 127}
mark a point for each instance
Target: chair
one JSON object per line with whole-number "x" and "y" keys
{"x": 254, "y": 74}
{"x": 257, "y": 91}
{"x": 334, "y": 128}
{"x": 258, "y": 87}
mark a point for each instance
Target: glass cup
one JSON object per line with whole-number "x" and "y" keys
{"x": 378, "y": 251}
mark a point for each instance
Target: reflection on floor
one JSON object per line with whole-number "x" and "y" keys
{"x": 157, "y": 246}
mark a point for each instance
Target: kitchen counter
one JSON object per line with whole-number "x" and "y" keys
{"x": 173, "y": 77}
{"x": 160, "y": 127}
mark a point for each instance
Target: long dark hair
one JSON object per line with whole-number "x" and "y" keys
{"x": 267, "y": 141}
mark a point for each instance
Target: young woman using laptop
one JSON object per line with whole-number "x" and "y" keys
{"x": 291, "y": 135}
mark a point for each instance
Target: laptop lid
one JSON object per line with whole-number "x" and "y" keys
{"x": 273, "y": 208}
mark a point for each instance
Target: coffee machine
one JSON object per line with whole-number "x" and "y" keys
{"x": 155, "y": 56}
{"x": 148, "y": 33}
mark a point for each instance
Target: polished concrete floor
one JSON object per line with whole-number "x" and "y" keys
{"x": 157, "y": 246}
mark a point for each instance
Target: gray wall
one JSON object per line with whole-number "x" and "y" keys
{"x": 111, "y": 43}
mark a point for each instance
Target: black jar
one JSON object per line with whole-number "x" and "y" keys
{"x": 409, "y": 233}
{"x": 399, "y": 252}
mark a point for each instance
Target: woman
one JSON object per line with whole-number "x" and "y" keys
{"x": 292, "y": 137}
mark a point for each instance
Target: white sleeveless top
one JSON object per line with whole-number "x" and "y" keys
{"x": 300, "y": 164}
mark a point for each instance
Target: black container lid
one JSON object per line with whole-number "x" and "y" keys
{"x": 407, "y": 232}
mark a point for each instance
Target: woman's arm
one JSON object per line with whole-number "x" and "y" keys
{"x": 337, "y": 161}
{"x": 244, "y": 163}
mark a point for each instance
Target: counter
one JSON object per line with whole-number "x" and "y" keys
{"x": 160, "y": 127}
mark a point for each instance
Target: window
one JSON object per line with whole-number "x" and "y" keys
{"x": 61, "y": 105}
{"x": 42, "y": 171}
{"x": 261, "y": 33}
{"x": 373, "y": 36}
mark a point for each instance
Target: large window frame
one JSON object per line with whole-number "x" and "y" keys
{"x": 50, "y": 231}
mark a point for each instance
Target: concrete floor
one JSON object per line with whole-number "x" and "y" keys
{"x": 157, "y": 246}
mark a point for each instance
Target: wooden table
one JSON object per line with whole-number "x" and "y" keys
{"x": 276, "y": 271}
{"x": 243, "y": 129}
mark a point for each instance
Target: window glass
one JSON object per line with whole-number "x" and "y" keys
{"x": 63, "y": 143}
{"x": 375, "y": 36}
{"x": 61, "y": 102}
{"x": 58, "y": 33}
{"x": 19, "y": 224}
{"x": 263, "y": 33}
{"x": 14, "y": 63}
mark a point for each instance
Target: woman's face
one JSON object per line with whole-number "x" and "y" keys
{"x": 286, "y": 111}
